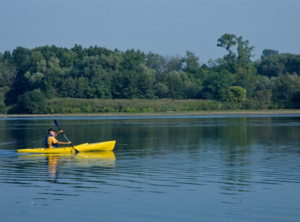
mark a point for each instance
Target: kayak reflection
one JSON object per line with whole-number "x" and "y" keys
{"x": 56, "y": 163}
{"x": 52, "y": 163}
{"x": 83, "y": 159}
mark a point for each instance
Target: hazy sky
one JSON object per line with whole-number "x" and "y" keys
{"x": 167, "y": 27}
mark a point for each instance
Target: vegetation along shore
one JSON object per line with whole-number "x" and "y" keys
{"x": 96, "y": 80}
{"x": 228, "y": 113}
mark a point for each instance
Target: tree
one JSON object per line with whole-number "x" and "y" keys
{"x": 276, "y": 64}
{"x": 237, "y": 94}
{"x": 216, "y": 85}
{"x": 176, "y": 85}
{"x": 156, "y": 62}
{"x": 100, "y": 87}
{"x": 243, "y": 55}
{"x": 173, "y": 63}
{"x": 67, "y": 88}
{"x": 112, "y": 61}
{"x": 191, "y": 90}
{"x": 125, "y": 85}
{"x": 244, "y": 52}
{"x": 89, "y": 67}
{"x": 68, "y": 58}
{"x": 227, "y": 41}
{"x": 265, "y": 83}
{"x": 286, "y": 86}
{"x": 19, "y": 56}
{"x": 7, "y": 56}
{"x": 267, "y": 52}
{"x": 272, "y": 65}
{"x": 132, "y": 59}
{"x": 8, "y": 75}
{"x": 191, "y": 61}
{"x": 82, "y": 85}
{"x": 263, "y": 97}
{"x": 160, "y": 90}
{"x": 245, "y": 77}
{"x": 145, "y": 82}
{"x": 32, "y": 102}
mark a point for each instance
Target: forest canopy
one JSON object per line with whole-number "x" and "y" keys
{"x": 50, "y": 72}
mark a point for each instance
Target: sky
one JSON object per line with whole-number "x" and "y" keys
{"x": 166, "y": 27}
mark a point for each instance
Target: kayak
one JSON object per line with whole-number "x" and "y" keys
{"x": 86, "y": 147}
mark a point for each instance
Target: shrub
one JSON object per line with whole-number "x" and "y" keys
{"x": 32, "y": 102}
{"x": 237, "y": 94}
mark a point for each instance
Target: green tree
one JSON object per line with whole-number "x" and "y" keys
{"x": 68, "y": 58}
{"x": 277, "y": 64}
{"x": 100, "y": 87}
{"x": 156, "y": 62}
{"x": 160, "y": 90}
{"x": 82, "y": 85}
{"x": 286, "y": 86}
{"x": 8, "y": 76}
{"x": 264, "y": 83}
{"x": 267, "y": 52}
{"x": 19, "y": 55}
{"x": 32, "y": 102}
{"x": 263, "y": 97}
{"x": 80, "y": 53}
{"x": 176, "y": 85}
{"x": 237, "y": 94}
{"x": 272, "y": 65}
{"x": 145, "y": 82}
{"x": 112, "y": 62}
{"x": 132, "y": 59}
{"x": 67, "y": 88}
{"x": 191, "y": 61}
{"x": 244, "y": 52}
{"x": 173, "y": 63}
{"x": 125, "y": 85}
{"x": 216, "y": 84}
{"x": 192, "y": 90}
{"x": 245, "y": 77}
{"x": 7, "y": 56}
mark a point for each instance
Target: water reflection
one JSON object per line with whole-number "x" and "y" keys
{"x": 53, "y": 167}
{"x": 58, "y": 163}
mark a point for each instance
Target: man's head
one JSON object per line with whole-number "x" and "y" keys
{"x": 51, "y": 131}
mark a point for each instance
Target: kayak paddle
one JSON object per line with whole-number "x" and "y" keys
{"x": 76, "y": 151}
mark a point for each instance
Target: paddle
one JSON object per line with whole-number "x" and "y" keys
{"x": 76, "y": 151}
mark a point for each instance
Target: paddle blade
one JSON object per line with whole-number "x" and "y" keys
{"x": 55, "y": 122}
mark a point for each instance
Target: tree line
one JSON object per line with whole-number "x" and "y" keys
{"x": 29, "y": 77}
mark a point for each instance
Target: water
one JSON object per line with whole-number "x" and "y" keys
{"x": 162, "y": 169}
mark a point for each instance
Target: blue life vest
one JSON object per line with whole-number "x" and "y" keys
{"x": 47, "y": 144}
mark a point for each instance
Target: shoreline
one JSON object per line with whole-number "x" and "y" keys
{"x": 170, "y": 113}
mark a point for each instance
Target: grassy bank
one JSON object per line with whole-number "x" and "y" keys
{"x": 71, "y": 105}
{"x": 138, "y": 106}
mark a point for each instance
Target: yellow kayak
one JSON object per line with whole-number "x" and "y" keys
{"x": 86, "y": 147}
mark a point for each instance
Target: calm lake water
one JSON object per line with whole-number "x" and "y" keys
{"x": 162, "y": 169}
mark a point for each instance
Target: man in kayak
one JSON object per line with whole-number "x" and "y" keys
{"x": 51, "y": 142}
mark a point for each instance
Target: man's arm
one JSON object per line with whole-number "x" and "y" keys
{"x": 61, "y": 143}
{"x": 61, "y": 131}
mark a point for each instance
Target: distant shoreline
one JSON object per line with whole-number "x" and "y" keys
{"x": 200, "y": 113}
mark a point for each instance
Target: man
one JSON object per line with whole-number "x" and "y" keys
{"x": 51, "y": 142}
